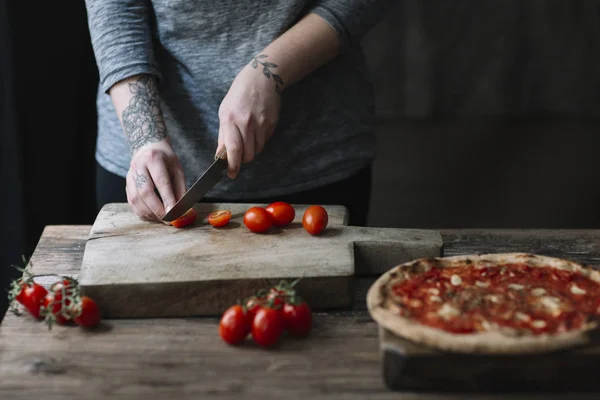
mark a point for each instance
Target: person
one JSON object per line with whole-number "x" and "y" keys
{"x": 282, "y": 85}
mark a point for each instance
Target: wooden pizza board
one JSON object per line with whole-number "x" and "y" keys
{"x": 407, "y": 366}
{"x": 134, "y": 268}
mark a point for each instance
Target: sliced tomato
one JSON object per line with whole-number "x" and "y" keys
{"x": 258, "y": 220}
{"x": 186, "y": 219}
{"x": 219, "y": 218}
{"x": 281, "y": 212}
{"x": 315, "y": 219}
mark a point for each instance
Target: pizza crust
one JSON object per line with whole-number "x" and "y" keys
{"x": 386, "y": 314}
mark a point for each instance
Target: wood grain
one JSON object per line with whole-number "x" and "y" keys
{"x": 135, "y": 268}
{"x": 183, "y": 358}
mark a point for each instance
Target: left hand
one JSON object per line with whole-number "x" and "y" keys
{"x": 248, "y": 115}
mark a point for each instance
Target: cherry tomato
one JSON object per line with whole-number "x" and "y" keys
{"x": 186, "y": 219}
{"x": 282, "y": 213}
{"x": 252, "y": 306}
{"x": 68, "y": 285}
{"x": 234, "y": 325}
{"x": 257, "y": 219}
{"x": 219, "y": 218}
{"x": 88, "y": 313}
{"x": 297, "y": 318}
{"x": 278, "y": 296}
{"x": 32, "y": 296}
{"x": 267, "y": 327}
{"x": 315, "y": 219}
{"x": 53, "y": 304}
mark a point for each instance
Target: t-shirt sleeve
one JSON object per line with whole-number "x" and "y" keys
{"x": 351, "y": 19}
{"x": 122, "y": 39}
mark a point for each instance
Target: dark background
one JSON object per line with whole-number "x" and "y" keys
{"x": 487, "y": 117}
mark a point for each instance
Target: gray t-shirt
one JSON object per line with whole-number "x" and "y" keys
{"x": 196, "y": 49}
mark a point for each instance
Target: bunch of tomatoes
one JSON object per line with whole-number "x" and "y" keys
{"x": 59, "y": 304}
{"x": 266, "y": 316}
{"x": 262, "y": 219}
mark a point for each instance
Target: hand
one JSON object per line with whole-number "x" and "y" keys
{"x": 154, "y": 165}
{"x": 248, "y": 115}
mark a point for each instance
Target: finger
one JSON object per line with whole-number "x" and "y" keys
{"x": 134, "y": 200}
{"x": 234, "y": 144}
{"x": 179, "y": 186}
{"x": 145, "y": 190}
{"x": 248, "y": 143}
{"x": 259, "y": 142}
{"x": 220, "y": 142}
{"x": 162, "y": 181}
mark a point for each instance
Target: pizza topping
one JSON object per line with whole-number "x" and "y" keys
{"x": 455, "y": 280}
{"x": 538, "y": 291}
{"x": 447, "y": 311}
{"x": 538, "y": 324}
{"x": 522, "y": 316}
{"x": 577, "y": 290}
{"x": 511, "y": 298}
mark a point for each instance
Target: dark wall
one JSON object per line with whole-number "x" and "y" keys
{"x": 47, "y": 85}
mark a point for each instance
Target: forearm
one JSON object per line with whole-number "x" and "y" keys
{"x": 305, "y": 47}
{"x": 137, "y": 103}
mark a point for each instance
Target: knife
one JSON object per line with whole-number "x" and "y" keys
{"x": 207, "y": 181}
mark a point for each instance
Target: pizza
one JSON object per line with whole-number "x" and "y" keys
{"x": 494, "y": 303}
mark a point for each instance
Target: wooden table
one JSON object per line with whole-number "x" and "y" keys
{"x": 185, "y": 358}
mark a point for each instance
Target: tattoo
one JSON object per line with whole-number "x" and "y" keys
{"x": 267, "y": 72}
{"x": 143, "y": 121}
{"x": 140, "y": 180}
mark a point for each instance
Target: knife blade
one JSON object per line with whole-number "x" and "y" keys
{"x": 207, "y": 181}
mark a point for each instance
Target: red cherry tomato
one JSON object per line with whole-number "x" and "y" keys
{"x": 267, "y": 327}
{"x": 252, "y": 306}
{"x": 297, "y": 318}
{"x": 219, "y": 218}
{"x": 186, "y": 219}
{"x": 88, "y": 313}
{"x": 32, "y": 297}
{"x": 315, "y": 219}
{"x": 234, "y": 325}
{"x": 53, "y": 304}
{"x": 282, "y": 213}
{"x": 278, "y": 297}
{"x": 257, "y": 219}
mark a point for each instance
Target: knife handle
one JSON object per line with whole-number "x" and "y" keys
{"x": 222, "y": 154}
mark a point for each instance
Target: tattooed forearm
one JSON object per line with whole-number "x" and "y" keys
{"x": 267, "y": 72}
{"x": 143, "y": 121}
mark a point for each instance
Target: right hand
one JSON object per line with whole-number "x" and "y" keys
{"x": 154, "y": 165}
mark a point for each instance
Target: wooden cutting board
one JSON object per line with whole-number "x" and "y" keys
{"x": 134, "y": 268}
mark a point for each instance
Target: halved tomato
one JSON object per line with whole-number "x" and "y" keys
{"x": 186, "y": 219}
{"x": 219, "y": 218}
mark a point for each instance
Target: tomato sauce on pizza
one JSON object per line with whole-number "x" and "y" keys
{"x": 513, "y": 296}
